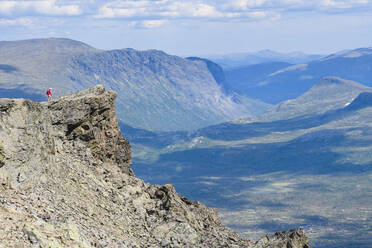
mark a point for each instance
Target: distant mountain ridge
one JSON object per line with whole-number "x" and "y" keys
{"x": 292, "y": 80}
{"x": 350, "y": 53}
{"x": 156, "y": 91}
{"x": 327, "y": 94}
{"x": 229, "y": 61}
{"x": 40, "y": 63}
{"x": 244, "y": 79}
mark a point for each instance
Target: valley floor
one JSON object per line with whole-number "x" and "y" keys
{"x": 336, "y": 211}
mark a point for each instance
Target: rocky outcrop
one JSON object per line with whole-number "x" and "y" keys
{"x": 290, "y": 239}
{"x": 89, "y": 116}
{"x": 65, "y": 181}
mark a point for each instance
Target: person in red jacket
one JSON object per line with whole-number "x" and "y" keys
{"x": 49, "y": 94}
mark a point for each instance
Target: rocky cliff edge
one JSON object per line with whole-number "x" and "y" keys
{"x": 65, "y": 181}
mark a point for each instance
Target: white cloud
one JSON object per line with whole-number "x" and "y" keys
{"x": 219, "y": 9}
{"x": 242, "y": 5}
{"x": 148, "y": 24}
{"x": 154, "y": 13}
{"x": 282, "y": 5}
{"x": 40, "y": 7}
{"x": 336, "y": 4}
{"x": 167, "y": 9}
{"x": 201, "y": 10}
{"x": 324, "y": 5}
{"x": 16, "y": 22}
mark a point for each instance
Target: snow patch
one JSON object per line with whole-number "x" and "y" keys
{"x": 348, "y": 103}
{"x": 353, "y": 55}
{"x": 301, "y": 67}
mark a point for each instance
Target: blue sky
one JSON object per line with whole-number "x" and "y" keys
{"x": 194, "y": 27}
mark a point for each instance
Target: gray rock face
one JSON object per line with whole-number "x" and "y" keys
{"x": 32, "y": 133}
{"x": 65, "y": 181}
{"x": 291, "y": 239}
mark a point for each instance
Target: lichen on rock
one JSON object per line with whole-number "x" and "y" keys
{"x": 90, "y": 117}
{"x": 2, "y": 155}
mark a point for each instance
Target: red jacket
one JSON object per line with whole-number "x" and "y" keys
{"x": 49, "y": 92}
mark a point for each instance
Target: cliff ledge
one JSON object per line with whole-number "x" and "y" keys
{"x": 65, "y": 181}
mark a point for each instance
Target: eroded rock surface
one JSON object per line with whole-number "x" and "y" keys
{"x": 65, "y": 181}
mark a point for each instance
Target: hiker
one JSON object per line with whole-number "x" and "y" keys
{"x": 49, "y": 94}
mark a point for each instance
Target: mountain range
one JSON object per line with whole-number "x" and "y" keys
{"x": 156, "y": 91}
{"x": 66, "y": 181}
{"x": 305, "y": 161}
{"x": 229, "y": 61}
{"x": 327, "y": 94}
{"x": 275, "y": 82}
{"x": 312, "y": 150}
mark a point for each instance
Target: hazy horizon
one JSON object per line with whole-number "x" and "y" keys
{"x": 192, "y": 27}
{"x": 215, "y": 54}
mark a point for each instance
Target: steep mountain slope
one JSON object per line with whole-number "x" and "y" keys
{"x": 39, "y": 63}
{"x": 156, "y": 91}
{"x": 160, "y": 91}
{"x": 216, "y": 71}
{"x": 256, "y": 107}
{"x": 292, "y": 81}
{"x": 244, "y": 78}
{"x": 65, "y": 181}
{"x": 229, "y": 61}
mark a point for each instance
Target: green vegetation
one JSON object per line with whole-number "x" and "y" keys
{"x": 335, "y": 210}
{"x": 311, "y": 171}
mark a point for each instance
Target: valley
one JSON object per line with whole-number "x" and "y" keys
{"x": 273, "y": 146}
{"x": 186, "y": 124}
{"x": 276, "y": 81}
{"x": 310, "y": 170}
{"x": 156, "y": 91}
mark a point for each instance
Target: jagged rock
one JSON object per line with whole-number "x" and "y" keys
{"x": 290, "y": 239}
{"x": 65, "y": 181}
{"x": 91, "y": 118}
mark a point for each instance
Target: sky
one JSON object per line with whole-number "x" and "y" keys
{"x": 194, "y": 27}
